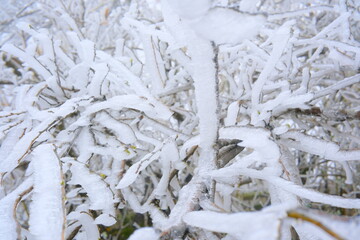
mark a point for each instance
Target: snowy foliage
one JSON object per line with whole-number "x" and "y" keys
{"x": 180, "y": 119}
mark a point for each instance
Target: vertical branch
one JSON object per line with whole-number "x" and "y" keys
{"x": 63, "y": 195}
{"x": 218, "y": 110}
{"x": 203, "y": 69}
{"x": 204, "y": 61}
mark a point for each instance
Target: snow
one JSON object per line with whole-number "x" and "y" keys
{"x": 78, "y": 76}
{"x": 205, "y": 83}
{"x": 190, "y": 143}
{"x": 130, "y": 23}
{"x": 135, "y": 169}
{"x": 256, "y": 138}
{"x": 169, "y": 156}
{"x": 90, "y": 230}
{"x": 105, "y": 219}
{"x": 269, "y": 174}
{"x": 8, "y": 144}
{"x": 87, "y": 141}
{"x": 135, "y": 83}
{"x": 47, "y": 213}
{"x": 60, "y": 53}
{"x": 281, "y": 103}
{"x": 86, "y": 51}
{"x": 154, "y": 63}
{"x": 244, "y": 225}
{"x": 122, "y": 131}
{"x": 189, "y": 9}
{"x": 145, "y": 233}
{"x": 221, "y": 25}
{"x": 338, "y": 22}
{"x": 204, "y": 73}
{"x": 249, "y": 5}
{"x": 188, "y": 200}
{"x": 232, "y": 114}
{"x": 279, "y": 39}
{"x": 337, "y": 86}
{"x": 322, "y": 148}
{"x": 227, "y": 26}
{"x": 69, "y": 20}
{"x": 22, "y": 147}
{"x": 143, "y": 104}
{"x": 101, "y": 197}
{"x": 28, "y": 58}
{"x": 203, "y": 70}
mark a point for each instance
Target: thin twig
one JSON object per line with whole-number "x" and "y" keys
{"x": 296, "y": 215}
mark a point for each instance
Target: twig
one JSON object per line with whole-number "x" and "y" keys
{"x": 21, "y": 195}
{"x": 296, "y": 215}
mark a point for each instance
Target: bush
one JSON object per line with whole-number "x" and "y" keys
{"x": 180, "y": 120}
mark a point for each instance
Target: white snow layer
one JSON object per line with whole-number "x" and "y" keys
{"x": 46, "y": 210}
{"x": 146, "y": 233}
{"x": 228, "y": 26}
{"x": 244, "y": 225}
{"x": 221, "y": 25}
{"x": 100, "y": 195}
{"x": 255, "y": 138}
{"x": 105, "y": 219}
{"x": 190, "y": 9}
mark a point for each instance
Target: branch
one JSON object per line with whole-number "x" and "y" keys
{"x": 337, "y": 86}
